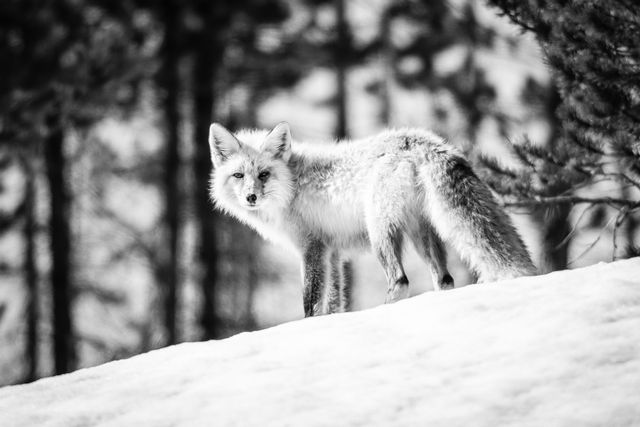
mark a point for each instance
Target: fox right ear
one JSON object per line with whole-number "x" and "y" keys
{"x": 278, "y": 142}
{"x": 222, "y": 144}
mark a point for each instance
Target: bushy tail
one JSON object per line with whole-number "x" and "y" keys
{"x": 465, "y": 214}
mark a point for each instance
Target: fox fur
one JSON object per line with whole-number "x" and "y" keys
{"x": 323, "y": 201}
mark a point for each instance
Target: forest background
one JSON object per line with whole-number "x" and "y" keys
{"x": 109, "y": 244}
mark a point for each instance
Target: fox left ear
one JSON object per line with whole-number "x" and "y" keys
{"x": 278, "y": 142}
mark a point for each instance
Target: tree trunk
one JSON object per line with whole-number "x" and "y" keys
{"x": 245, "y": 244}
{"x": 341, "y": 49}
{"x": 170, "y": 83}
{"x": 387, "y": 68}
{"x": 60, "y": 247}
{"x": 208, "y": 55}
{"x": 629, "y": 225}
{"x": 341, "y": 52}
{"x": 30, "y": 273}
{"x": 554, "y": 228}
{"x": 554, "y": 221}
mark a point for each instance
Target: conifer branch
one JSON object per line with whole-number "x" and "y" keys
{"x": 558, "y": 200}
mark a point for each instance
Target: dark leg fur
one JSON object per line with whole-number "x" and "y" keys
{"x": 337, "y": 283}
{"x": 431, "y": 248}
{"x": 388, "y": 249}
{"x": 313, "y": 271}
{"x": 347, "y": 284}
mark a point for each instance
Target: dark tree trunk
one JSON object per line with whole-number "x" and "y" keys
{"x": 170, "y": 84}
{"x": 629, "y": 225}
{"x": 245, "y": 243}
{"x": 249, "y": 321}
{"x": 555, "y": 228}
{"x": 208, "y": 55}
{"x": 30, "y": 273}
{"x": 341, "y": 57}
{"x": 60, "y": 247}
{"x": 341, "y": 49}
{"x": 470, "y": 90}
{"x": 387, "y": 68}
{"x": 554, "y": 221}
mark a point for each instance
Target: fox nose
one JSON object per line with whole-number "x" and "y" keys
{"x": 251, "y": 198}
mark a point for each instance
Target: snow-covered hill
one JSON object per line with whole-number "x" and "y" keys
{"x": 555, "y": 350}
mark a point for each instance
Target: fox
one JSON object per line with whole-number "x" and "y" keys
{"x": 325, "y": 202}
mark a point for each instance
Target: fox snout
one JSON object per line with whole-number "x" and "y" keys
{"x": 251, "y": 189}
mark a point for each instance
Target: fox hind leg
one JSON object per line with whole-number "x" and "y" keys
{"x": 431, "y": 249}
{"x": 387, "y": 202}
{"x": 387, "y": 246}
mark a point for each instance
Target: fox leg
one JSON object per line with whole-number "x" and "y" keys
{"x": 341, "y": 283}
{"x": 386, "y": 203}
{"x": 335, "y": 304}
{"x": 387, "y": 245}
{"x": 431, "y": 248}
{"x": 313, "y": 277}
{"x": 347, "y": 284}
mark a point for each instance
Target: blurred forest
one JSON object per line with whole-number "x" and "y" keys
{"x": 109, "y": 244}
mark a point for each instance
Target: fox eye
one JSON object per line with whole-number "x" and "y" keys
{"x": 264, "y": 175}
{"x": 238, "y": 175}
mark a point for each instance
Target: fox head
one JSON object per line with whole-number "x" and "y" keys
{"x": 251, "y": 169}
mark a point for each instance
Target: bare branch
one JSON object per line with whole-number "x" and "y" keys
{"x": 592, "y": 244}
{"x": 624, "y": 177}
{"x": 619, "y": 220}
{"x": 574, "y": 228}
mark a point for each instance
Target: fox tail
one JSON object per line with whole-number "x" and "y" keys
{"x": 464, "y": 213}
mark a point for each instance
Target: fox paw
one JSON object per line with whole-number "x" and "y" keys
{"x": 446, "y": 282}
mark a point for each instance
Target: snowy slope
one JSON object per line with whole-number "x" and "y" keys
{"x": 556, "y": 350}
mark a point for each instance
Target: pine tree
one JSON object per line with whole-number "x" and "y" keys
{"x": 436, "y": 28}
{"x": 64, "y": 64}
{"x": 30, "y": 270}
{"x": 223, "y": 45}
{"x": 592, "y": 48}
{"x": 168, "y": 79}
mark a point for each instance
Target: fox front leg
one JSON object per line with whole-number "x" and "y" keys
{"x": 313, "y": 277}
{"x": 339, "y": 294}
{"x": 347, "y": 284}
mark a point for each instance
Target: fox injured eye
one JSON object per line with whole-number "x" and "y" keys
{"x": 264, "y": 175}
{"x": 238, "y": 175}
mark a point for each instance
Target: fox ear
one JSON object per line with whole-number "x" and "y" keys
{"x": 222, "y": 144}
{"x": 278, "y": 142}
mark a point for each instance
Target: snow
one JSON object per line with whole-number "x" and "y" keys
{"x": 556, "y": 350}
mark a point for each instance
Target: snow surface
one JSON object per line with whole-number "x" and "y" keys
{"x": 556, "y": 350}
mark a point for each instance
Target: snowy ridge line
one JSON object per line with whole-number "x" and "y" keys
{"x": 556, "y": 350}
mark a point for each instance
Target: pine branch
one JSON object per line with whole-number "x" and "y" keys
{"x": 548, "y": 201}
{"x": 494, "y": 166}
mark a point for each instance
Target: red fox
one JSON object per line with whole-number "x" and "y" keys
{"x": 322, "y": 201}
